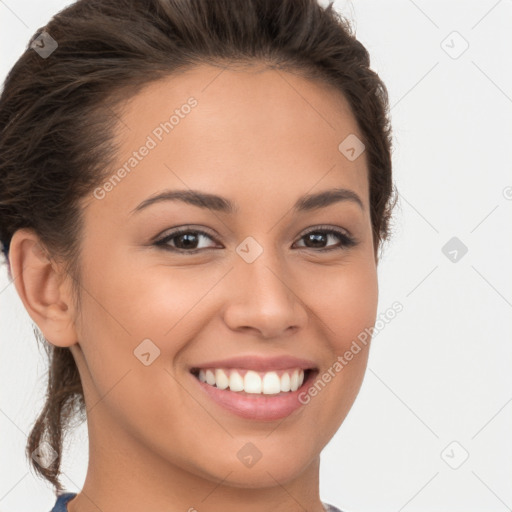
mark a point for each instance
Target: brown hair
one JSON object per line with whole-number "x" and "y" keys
{"x": 57, "y": 116}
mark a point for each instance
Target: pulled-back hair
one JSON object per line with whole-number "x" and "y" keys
{"x": 58, "y": 113}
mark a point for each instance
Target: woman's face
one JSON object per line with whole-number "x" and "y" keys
{"x": 243, "y": 282}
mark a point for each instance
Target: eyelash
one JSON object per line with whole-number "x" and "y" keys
{"x": 346, "y": 240}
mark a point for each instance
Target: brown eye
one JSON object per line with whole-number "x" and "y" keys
{"x": 184, "y": 240}
{"x": 319, "y": 237}
{"x": 187, "y": 240}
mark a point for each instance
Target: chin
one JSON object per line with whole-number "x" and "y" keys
{"x": 279, "y": 467}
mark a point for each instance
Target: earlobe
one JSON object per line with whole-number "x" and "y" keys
{"x": 41, "y": 285}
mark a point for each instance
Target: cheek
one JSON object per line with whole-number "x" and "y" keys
{"x": 125, "y": 316}
{"x": 172, "y": 306}
{"x": 134, "y": 299}
{"x": 346, "y": 300}
{"x": 347, "y": 308}
{"x": 125, "y": 306}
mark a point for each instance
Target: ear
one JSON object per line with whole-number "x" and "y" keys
{"x": 43, "y": 287}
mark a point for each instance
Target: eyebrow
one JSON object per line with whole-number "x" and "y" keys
{"x": 221, "y": 204}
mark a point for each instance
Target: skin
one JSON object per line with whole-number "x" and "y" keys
{"x": 261, "y": 138}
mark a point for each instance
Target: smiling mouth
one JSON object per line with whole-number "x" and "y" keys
{"x": 250, "y": 382}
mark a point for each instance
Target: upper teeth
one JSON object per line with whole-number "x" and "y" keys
{"x": 268, "y": 383}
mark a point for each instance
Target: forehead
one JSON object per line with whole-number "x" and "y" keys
{"x": 218, "y": 129}
{"x": 227, "y": 96}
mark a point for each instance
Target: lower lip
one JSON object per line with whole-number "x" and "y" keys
{"x": 257, "y": 406}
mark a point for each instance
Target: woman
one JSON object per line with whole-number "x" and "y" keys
{"x": 193, "y": 195}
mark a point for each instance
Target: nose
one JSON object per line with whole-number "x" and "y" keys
{"x": 263, "y": 299}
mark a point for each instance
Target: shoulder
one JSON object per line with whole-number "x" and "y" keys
{"x": 61, "y": 503}
{"x": 330, "y": 508}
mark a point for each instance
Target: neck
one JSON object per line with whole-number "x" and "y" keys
{"x": 124, "y": 475}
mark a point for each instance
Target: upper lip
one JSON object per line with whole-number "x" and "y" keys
{"x": 259, "y": 363}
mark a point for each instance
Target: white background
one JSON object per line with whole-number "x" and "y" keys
{"x": 441, "y": 370}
